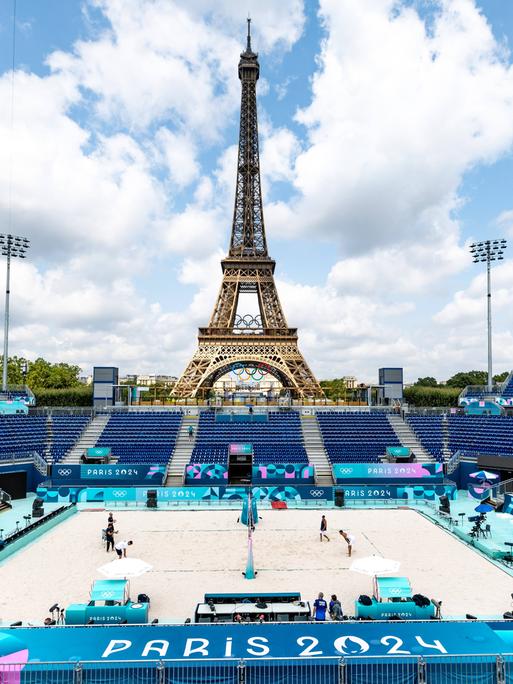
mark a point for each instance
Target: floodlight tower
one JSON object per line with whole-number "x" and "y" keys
{"x": 11, "y": 246}
{"x": 488, "y": 251}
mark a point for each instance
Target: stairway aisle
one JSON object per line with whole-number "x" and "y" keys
{"x": 408, "y": 438}
{"x": 88, "y": 438}
{"x": 445, "y": 439}
{"x": 314, "y": 446}
{"x": 182, "y": 453}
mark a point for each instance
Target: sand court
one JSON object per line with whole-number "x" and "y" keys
{"x": 193, "y": 552}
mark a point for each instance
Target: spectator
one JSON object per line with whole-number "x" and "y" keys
{"x": 190, "y": 430}
{"x": 121, "y": 548}
{"x": 335, "y": 609}
{"x": 319, "y": 609}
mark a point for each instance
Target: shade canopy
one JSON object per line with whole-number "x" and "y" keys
{"x": 125, "y": 567}
{"x": 484, "y": 475}
{"x": 375, "y": 565}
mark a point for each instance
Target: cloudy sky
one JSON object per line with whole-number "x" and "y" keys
{"x": 386, "y": 148}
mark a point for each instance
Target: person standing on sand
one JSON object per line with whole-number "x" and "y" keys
{"x": 349, "y": 539}
{"x": 324, "y": 528}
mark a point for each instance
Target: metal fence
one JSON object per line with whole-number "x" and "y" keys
{"x": 407, "y": 669}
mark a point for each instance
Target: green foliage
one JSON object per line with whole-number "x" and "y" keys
{"x": 428, "y": 381}
{"x": 501, "y": 377}
{"x": 334, "y": 389}
{"x": 42, "y": 374}
{"x": 432, "y": 396}
{"x": 474, "y": 377}
{"x": 73, "y": 396}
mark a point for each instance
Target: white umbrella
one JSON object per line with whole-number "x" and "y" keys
{"x": 506, "y": 516}
{"x": 125, "y": 568}
{"x": 375, "y": 565}
{"x": 484, "y": 475}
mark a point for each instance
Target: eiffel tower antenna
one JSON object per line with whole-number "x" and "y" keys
{"x": 248, "y": 45}
{"x": 264, "y": 341}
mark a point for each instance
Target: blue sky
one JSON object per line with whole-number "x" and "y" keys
{"x": 386, "y": 139}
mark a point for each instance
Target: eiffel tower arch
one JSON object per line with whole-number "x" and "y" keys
{"x": 230, "y": 339}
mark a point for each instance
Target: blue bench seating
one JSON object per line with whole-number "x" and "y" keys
{"x": 141, "y": 437}
{"x": 356, "y": 437}
{"x": 277, "y": 440}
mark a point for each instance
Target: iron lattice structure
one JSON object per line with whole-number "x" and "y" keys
{"x": 229, "y": 338}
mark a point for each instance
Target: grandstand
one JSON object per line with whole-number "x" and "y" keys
{"x": 501, "y": 393}
{"x": 347, "y": 437}
{"x": 22, "y": 434}
{"x": 481, "y": 435}
{"x": 428, "y": 430}
{"x": 62, "y": 433}
{"x": 279, "y": 439}
{"x": 141, "y": 436}
{"x": 356, "y": 437}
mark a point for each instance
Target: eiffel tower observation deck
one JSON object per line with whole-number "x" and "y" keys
{"x": 234, "y": 339}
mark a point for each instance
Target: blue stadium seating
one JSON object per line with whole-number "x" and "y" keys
{"x": 31, "y": 433}
{"x": 141, "y": 437}
{"x": 66, "y": 430}
{"x": 356, "y": 437}
{"x": 481, "y": 434}
{"x": 22, "y": 433}
{"x": 507, "y": 392}
{"x": 278, "y": 440}
{"x": 428, "y": 430}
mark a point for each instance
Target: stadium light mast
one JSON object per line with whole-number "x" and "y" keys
{"x": 488, "y": 251}
{"x": 11, "y": 246}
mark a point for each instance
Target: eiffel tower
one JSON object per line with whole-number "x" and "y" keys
{"x": 232, "y": 341}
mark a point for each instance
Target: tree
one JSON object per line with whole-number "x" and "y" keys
{"x": 428, "y": 381}
{"x": 500, "y": 377}
{"x": 432, "y": 396}
{"x": 42, "y": 374}
{"x": 334, "y": 389}
{"x": 463, "y": 379}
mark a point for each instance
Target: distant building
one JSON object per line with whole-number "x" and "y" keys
{"x": 350, "y": 381}
{"x": 155, "y": 379}
{"x": 86, "y": 379}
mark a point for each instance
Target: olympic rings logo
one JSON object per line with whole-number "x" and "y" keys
{"x": 119, "y": 493}
{"x": 64, "y": 472}
{"x": 317, "y": 492}
{"x": 345, "y": 471}
{"x": 107, "y": 594}
{"x": 253, "y": 372}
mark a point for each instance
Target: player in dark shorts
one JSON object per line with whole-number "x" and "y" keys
{"x": 324, "y": 528}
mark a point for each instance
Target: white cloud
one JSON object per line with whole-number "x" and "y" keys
{"x": 505, "y": 222}
{"x": 398, "y": 115}
{"x": 179, "y": 154}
